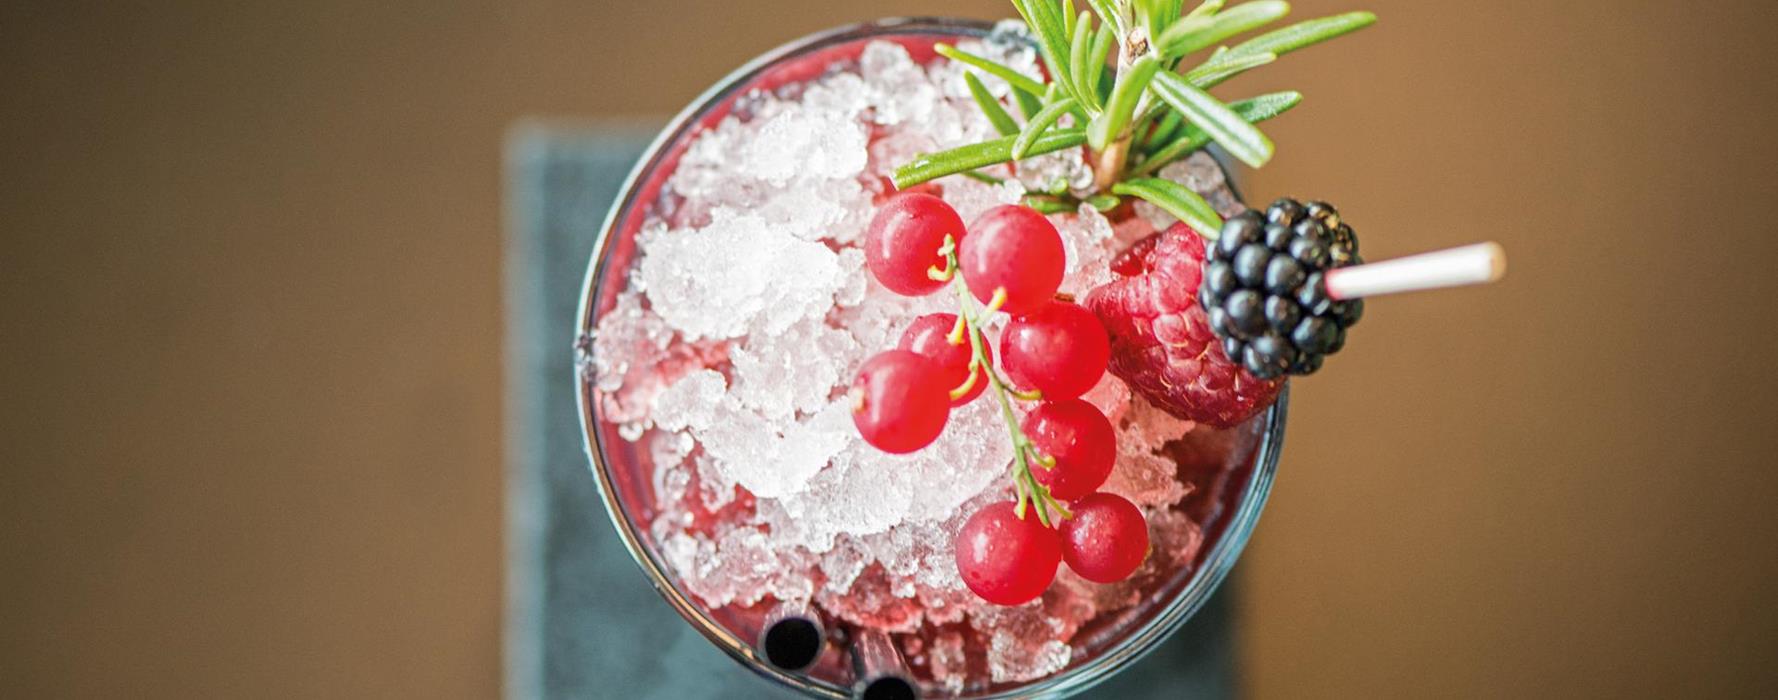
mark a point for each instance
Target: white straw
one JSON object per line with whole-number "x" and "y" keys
{"x": 1455, "y": 267}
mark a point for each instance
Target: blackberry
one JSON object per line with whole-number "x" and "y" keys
{"x": 1264, "y": 292}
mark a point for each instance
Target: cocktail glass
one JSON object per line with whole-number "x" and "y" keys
{"x": 1226, "y": 502}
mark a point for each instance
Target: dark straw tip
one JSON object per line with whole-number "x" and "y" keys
{"x": 890, "y": 688}
{"x": 881, "y": 672}
{"x": 792, "y": 643}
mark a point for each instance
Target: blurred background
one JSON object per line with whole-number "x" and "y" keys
{"x": 251, "y": 320}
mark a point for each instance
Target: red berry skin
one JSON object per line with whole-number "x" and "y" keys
{"x": 1080, "y": 439}
{"x": 930, "y": 335}
{"x": 900, "y": 401}
{"x": 1061, "y": 350}
{"x": 1005, "y": 559}
{"x": 1016, "y": 249}
{"x": 903, "y": 240}
{"x": 1161, "y": 342}
{"x": 1107, "y": 538}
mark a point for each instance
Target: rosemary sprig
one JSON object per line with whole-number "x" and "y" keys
{"x": 1145, "y": 109}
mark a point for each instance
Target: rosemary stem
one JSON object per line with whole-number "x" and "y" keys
{"x": 1109, "y": 164}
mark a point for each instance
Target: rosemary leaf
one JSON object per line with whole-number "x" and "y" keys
{"x": 1028, "y": 104}
{"x": 1163, "y": 131}
{"x": 1046, "y": 205}
{"x": 1019, "y": 81}
{"x": 1304, "y": 34}
{"x": 1208, "y": 7}
{"x": 1154, "y": 14}
{"x": 1052, "y": 39}
{"x": 1036, "y": 125}
{"x": 996, "y": 114}
{"x": 1040, "y": 16}
{"x": 1179, "y": 200}
{"x": 1191, "y": 138}
{"x": 1108, "y": 14}
{"x": 1104, "y": 202}
{"x": 980, "y": 155}
{"x": 1174, "y": 10}
{"x": 1195, "y": 33}
{"x": 1240, "y": 138}
{"x": 1213, "y": 73}
{"x": 1111, "y": 123}
{"x": 1087, "y": 91}
{"x": 1102, "y": 43}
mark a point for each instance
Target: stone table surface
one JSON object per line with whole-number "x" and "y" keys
{"x": 582, "y": 621}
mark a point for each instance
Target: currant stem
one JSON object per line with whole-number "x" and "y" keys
{"x": 944, "y": 274}
{"x": 970, "y": 317}
{"x": 956, "y": 335}
{"x": 968, "y": 385}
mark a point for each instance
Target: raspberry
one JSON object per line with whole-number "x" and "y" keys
{"x": 1161, "y": 342}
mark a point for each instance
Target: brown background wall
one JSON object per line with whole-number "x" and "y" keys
{"x": 251, "y": 331}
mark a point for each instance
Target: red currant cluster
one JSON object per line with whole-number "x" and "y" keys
{"x": 1052, "y": 350}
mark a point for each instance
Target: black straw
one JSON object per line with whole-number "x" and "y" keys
{"x": 879, "y": 670}
{"x": 792, "y": 637}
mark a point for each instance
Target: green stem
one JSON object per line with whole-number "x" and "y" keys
{"x": 1024, "y": 481}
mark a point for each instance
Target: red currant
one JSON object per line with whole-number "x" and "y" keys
{"x": 1079, "y": 438}
{"x": 1060, "y": 350}
{"x": 903, "y": 241}
{"x": 1005, "y": 559}
{"x": 1015, "y": 249}
{"x": 900, "y": 401}
{"x": 1106, "y": 539}
{"x": 930, "y": 335}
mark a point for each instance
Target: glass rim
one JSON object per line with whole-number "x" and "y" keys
{"x": 1133, "y": 646}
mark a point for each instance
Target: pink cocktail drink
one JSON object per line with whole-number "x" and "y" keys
{"x": 726, "y": 312}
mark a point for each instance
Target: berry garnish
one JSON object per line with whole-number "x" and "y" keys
{"x": 900, "y": 401}
{"x": 930, "y": 335}
{"x": 1012, "y": 259}
{"x": 1265, "y": 290}
{"x": 1161, "y": 342}
{"x": 1077, "y": 446}
{"x": 1106, "y": 540}
{"x": 1060, "y": 350}
{"x": 1005, "y": 558}
{"x": 901, "y": 246}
